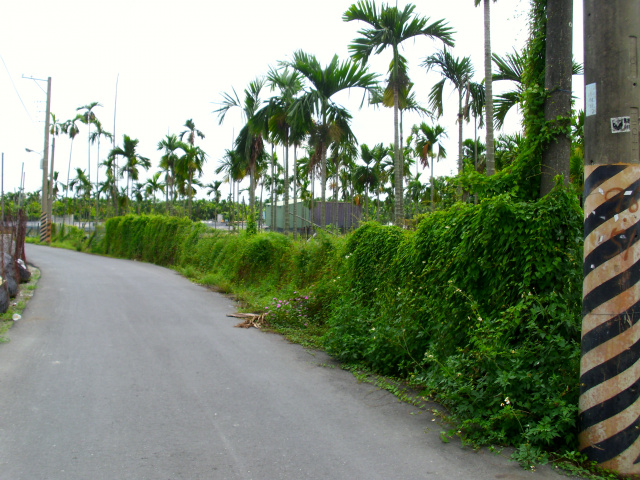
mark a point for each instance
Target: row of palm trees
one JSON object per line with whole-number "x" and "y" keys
{"x": 302, "y": 113}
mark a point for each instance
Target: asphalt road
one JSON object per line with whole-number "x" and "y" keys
{"x": 125, "y": 370}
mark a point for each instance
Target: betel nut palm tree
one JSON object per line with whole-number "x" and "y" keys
{"x": 88, "y": 117}
{"x": 249, "y": 144}
{"x": 332, "y": 121}
{"x": 458, "y": 72}
{"x": 280, "y": 126}
{"x": 95, "y": 137}
{"x": 425, "y": 140}
{"x": 168, "y": 163}
{"x": 488, "y": 86}
{"x": 132, "y": 158}
{"x": 388, "y": 28}
{"x": 193, "y": 159}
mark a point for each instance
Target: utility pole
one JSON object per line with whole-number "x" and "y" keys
{"x": 609, "y": 373}
{"x": 45, "y": 225}
{"x": 50, "y": 188}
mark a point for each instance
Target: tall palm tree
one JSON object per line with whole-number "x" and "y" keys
{"x": 189, "y": 165}
{"x": 389, "y": 27}
{"x": 70, "y": 128}
{"x": 488, "y": 85}
{"x": 281, "y": 128}
{"x": 168, "y": 162}
{"x": 457, "y": 71}
{"x": 332, "y": 120}
{"x": 425, "y": 140}
{"x": 191, "y": 132}
{"x": 249, "y": 142}
{"x": 82, "y": 186}
{"x": 88, "y": 117}
{"x": 214, "y": 187}
{"x": 234, "y": 167}
{"x": 132, "y": 158}
{"x": 366, "y": 176}
{"x": 153, "y": 185}
{"x": 109, "y": 185}
{"x": 93, "y": 137}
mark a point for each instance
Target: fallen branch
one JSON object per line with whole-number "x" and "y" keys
{"x": 251, "y": 320}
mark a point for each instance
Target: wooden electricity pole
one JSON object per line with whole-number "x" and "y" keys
{"x": 609, "y": 370}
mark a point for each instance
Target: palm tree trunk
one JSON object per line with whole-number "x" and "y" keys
{"x": 323, "y": 187}
{"x": 491, "y": 166}
{"x": 460, "y": 120}
{"x": 286, "y": 184}
{"x": 252, "y": 188}
{"x": 295, "y": 192}
{"x": 323, "y": 173}
{"x": 399, "y": 206}
{"x": 273, "y": 191}
{"x": 432, "y": 190}
{"x": 98, "y": 182}
{"x": 558, "y": 68}
{"x": 189, "y": 194}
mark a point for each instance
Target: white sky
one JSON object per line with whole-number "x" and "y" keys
{"x": 175, "y": 59}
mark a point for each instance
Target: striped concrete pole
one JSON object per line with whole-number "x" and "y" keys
{"x": 45, "y": 232}
{"x": 610, "y": 366}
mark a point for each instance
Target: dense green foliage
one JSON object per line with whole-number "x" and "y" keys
{"x": 480, "y": 306}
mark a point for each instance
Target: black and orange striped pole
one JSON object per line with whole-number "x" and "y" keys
{"x": 610, "y": 363}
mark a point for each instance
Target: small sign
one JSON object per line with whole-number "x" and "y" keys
{"x": 621, "y": 125}
{"x": 590, "y": 100}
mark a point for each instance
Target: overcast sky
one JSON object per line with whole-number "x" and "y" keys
{"x": 173, "y": 60}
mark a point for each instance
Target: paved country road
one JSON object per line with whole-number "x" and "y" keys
{"x": 125, "y": 370}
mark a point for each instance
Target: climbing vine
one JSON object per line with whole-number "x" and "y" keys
{"x": 521, "y": 179}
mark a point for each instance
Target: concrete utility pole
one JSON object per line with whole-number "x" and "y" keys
{"x": 609, "y": 370}
{"x": 45, "y": 224}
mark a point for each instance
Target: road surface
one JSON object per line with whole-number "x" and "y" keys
{"x": 126, "y": 370}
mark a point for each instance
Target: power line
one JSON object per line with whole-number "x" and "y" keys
{"x": 14, "y": 87}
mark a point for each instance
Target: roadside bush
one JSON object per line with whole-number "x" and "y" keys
{"x": 479, "y": 305}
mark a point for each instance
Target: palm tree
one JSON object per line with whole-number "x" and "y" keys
{"x": 188, "y": 165}
{"x": 426, "y": 139}
{"x": 168, "y": 163}
{"x": 214, "y": 187}
{"x": 342, "y": 158}
{"x": 93, "y": 137}
{"x": 109, "y": 185}
{"x": 389, "y": 28}
{"x": 88, "y": 117}
{"x": 133, "y": 160}
{"x": 82, "y": 186}
{"x": 191, "y": 132}
{"x": 234, "y": 167}
{"x": 458, "y": 71}
{"x": 153, "y": 185}
{"x": 280, "y": 124}
{"x": 249, "y": 142}
{"x": 365, "y": 176}
{"x": 511, "y": 67}
{"x": 332, "y": 121}
{"x": 70, "y": 128}
{"x": 488, "y": 85}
